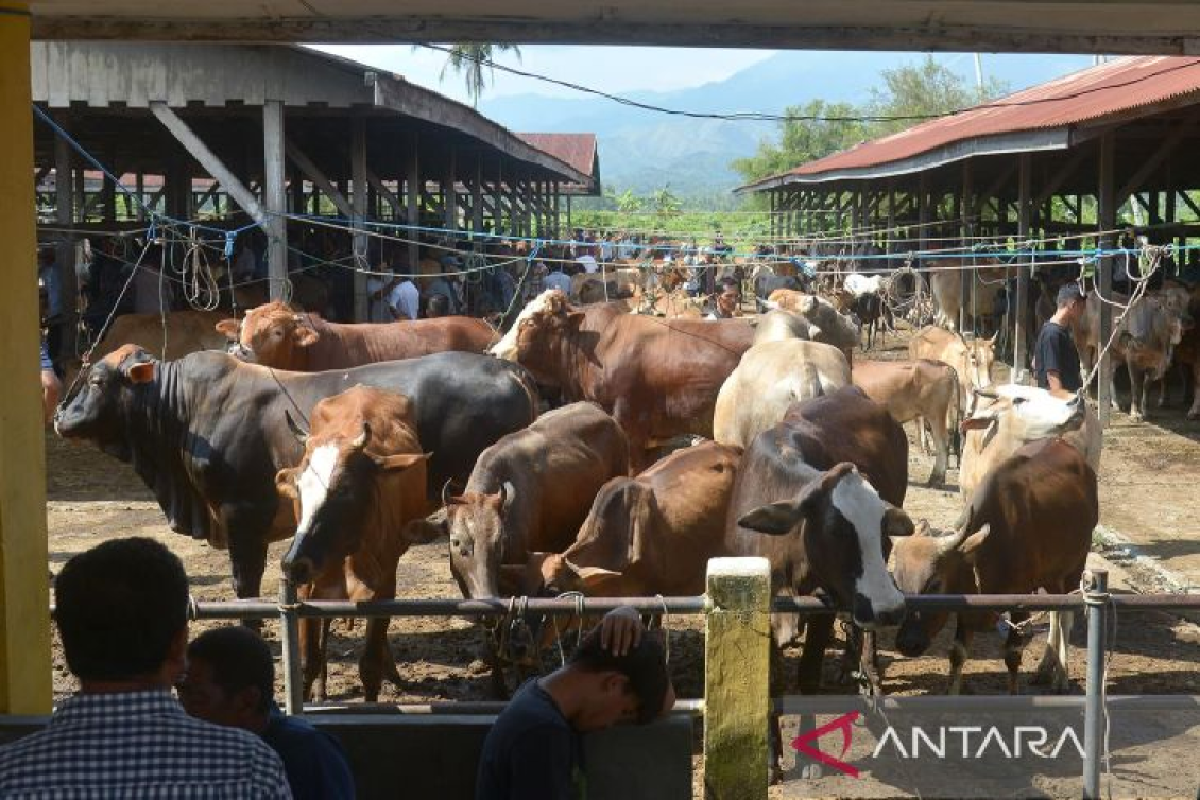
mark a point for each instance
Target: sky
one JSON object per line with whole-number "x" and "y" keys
{"x": 610, "y": 69}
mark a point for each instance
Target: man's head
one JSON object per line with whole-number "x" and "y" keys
{"x": 230, "y": 678}
{"x": 438, "y": 305}
{"x": 1071, "y": 299}
{"x": 634, "y": 687}
{"x": 122, "y": 611}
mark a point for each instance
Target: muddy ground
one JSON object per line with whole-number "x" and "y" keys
{"x": 1150, "y": 477}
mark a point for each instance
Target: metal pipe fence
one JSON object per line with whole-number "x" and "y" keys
{"x": 1093, "y": 598}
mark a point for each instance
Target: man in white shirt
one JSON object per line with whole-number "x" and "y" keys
{"x": 405, "y": 300}
{"x": 588, "y": 262}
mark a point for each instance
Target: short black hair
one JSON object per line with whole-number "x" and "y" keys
{"x": 1069, "y": 292}
{"x": 118, "y": 608}
{"x": 239, "y": 658}
{"x": 729, "y": 282}
{"x": 644, "y": 665}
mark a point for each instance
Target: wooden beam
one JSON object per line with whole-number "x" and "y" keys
{"x": 412, "y": 191}
{"x": 65, "y": 252}
{"x": 306, "y": 165}
{"x": 358, "y": 165}
{"x": 213, "y": 165}
{"x": 1107, "y": 221}
{"x": 1165, "y": 148}
{"x": 1065, "y": 171}
{"x": 387, "y": 194}
{"x": 1024, "y": 219}
{"x": 25, "y": 685}
{"x": 275, "y": 195}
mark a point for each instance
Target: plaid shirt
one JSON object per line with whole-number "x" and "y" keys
{"x": 138, "y": 745}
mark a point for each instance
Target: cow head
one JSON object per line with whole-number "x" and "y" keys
{"x": 1020, "y": 414}
{"x": 980, "y": 358}
{"x": 331, "y": 490}
{"x": 932, "y": 563}
{"x": 844, "y": 527}
{"x": 272, "y": 335}
{"x": 540, "y": 329}
{"x": 476, "y": 524}
{"x": 1152, "y": 329}
{"x": 92, "y": 410}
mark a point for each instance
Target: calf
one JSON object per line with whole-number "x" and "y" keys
{"x": 275, "y": 335}
{"x": 972, "y": 359}
{"x": 361, "y": 480}
{"x": 946, "y": 287}
{"x": 1029, "y": 527}
{"x": 1013, "y": 416}
{"x": 651, "y": 534}
{"x": 921, "y": 390}
{"x": 529, "y": 492}
{"x": 768, "y": 380}
{"x": 838, "y": 329}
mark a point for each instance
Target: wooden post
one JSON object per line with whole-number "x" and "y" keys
{"x": 737, "y": 636}
{"x": 1106, "y": 221}
{"x": 275, "y": 195}
{"x": 412, "y": 188}
{"x": 358, "y": 158}
{"x": 68, "y": 280}
{"x": 1024, "y": 220}
{"x": 923, "y": 211}
{"x": 477, "y": 200}
{"x": 449, "y": 195}
{"x": 570, "y": 228}
{"x": 967, "y": 207}
{"x": 556, "y": 227}
{"x": 25, "y": 686}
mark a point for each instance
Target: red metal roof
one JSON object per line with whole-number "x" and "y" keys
{"x": 1117, "y": 87}
{"x": 578, "y": 150}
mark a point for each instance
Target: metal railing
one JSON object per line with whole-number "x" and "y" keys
{"x": 1093, "y": 599}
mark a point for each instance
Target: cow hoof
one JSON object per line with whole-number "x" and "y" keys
{"x": 1137, "y": 417}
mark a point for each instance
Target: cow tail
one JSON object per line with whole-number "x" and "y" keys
{"x": 956, "y": 429}
{"x": 525, "y": 380}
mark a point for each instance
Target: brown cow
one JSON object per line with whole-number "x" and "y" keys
{"x": 658, "y": 378}
{"x": 1029, "y": 527}
{"x": 972, "y": 359}
{"x": 946, "y": 287}
{"x": 362, "y": 479}
{"x": 651, "y": 534}
{"x": 1006, "y": 420}
{"x": 914, "y": 390}
{"x": 836, "y": 328}
{"x": 530, "y": 491}
{"x": 185, "y": 332}
{"x": 276, "y": 336}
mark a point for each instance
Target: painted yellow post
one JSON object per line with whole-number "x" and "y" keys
{"x": 736, "y": 673}
{"x": 25, "y": 686}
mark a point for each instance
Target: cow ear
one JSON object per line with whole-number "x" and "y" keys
{"x": 296, "y": 430}
{"x": 304, "y": 336}
{"x": 427, "y": 529}
{"x": 504, "y": 498}
{"x": 598, "y": 581}
{"x": 140, "y": 372}
{"x": 230, "y": 328}
{"x": 285, "y": 482}
{"x": 896, "y": 522}
{"x": 575, "y": 318}
{"x": 774, "y": 519}
{"x": 401, "y": 461}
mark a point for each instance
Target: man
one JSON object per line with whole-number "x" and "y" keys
{"x": 1055, "y": 358}
{"x": 405, "y": 299}
{"x": 122, "y": 615}
{"x": 379, "y": 290}
{"x": 728, "y": 300}
{"x": 588, "y": 262}
{"x": 558, "y": 280}
{"x": 535, "y": 749}
{"x": 50, "y": 280}
{"x": 51, "y": 386}
{"x": 231, "y": 681}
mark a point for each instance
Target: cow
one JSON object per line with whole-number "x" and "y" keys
{"x": 1012, "y": 416}
{"x": 207, "y": 434}
{"x": 766, "y": 284}
{"x": 778, "y": 325}
{"x": 658, "y": 378}
{"x": 361, "y": 480}
{"x": 972, "y": 359}
{"x": 818, "y": 496}
{"x": 169, "y": 336}
{"x": 768, "y": 380}
{"x": 946, "y": 286}
{"x": 1144, "y": 341}
{"x": 275, "y": 335}
{"x": 1187, "y": 355}
{"x": 921, "y": 390}
{"x": 650, "y": 534}
{"x": 1028, "y": 527}
{"x": 837, "y": 329}
{"x": 529, "y": 492}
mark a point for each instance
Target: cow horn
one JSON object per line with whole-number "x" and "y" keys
{"x": 990, "y": 394}
{"x": 360, "y": 442}
{"x": 951, "y": 542}
{"x": 297, "y": 431}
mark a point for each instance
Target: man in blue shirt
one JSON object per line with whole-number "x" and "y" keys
{"x": 535, "y": 750}
{"x": 231, "y": 681}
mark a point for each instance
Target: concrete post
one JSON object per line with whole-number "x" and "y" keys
{"x": 275, "y": 196}
{"x": 25, "y": 686}
{"x": 737, "y": 659}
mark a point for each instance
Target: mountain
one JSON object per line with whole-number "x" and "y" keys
{"x": 645, "y": 150}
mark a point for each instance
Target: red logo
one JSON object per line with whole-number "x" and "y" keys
{"x": 806, "y": 743}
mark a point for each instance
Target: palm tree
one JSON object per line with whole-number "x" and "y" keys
{"x": 469, "y": 60}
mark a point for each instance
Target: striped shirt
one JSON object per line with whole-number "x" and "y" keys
{"x": 138, "y": 745}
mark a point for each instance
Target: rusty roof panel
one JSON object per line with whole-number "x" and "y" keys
{"x": 577, "y": 150}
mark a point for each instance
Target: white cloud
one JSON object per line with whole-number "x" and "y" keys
{"x": 610, "y": 69}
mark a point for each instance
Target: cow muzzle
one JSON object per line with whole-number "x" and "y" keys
{"x": 299, "y": 570}
{"x": 868, "y": 617}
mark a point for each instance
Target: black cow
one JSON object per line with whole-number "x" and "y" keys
{"x": 208, "y": 433}
{"x": 765, "y": 284}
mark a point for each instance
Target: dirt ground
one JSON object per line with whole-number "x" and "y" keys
{"x": 1148, "y": 514}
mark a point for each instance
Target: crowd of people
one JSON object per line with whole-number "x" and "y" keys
{"x": 159, "y": 716}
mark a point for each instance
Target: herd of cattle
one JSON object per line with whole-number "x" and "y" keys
{"x": 357, "y": 441}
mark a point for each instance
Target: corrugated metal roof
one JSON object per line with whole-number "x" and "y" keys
{"x": 577, "y": 150}
{"x": 1116, "y": 88}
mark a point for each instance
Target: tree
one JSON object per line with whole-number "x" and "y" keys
{"x": 665, "y": 203}
{"x": 813, "y": 131}
{"x": 926, "y": 90}
{"x": 469, "y": 60}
